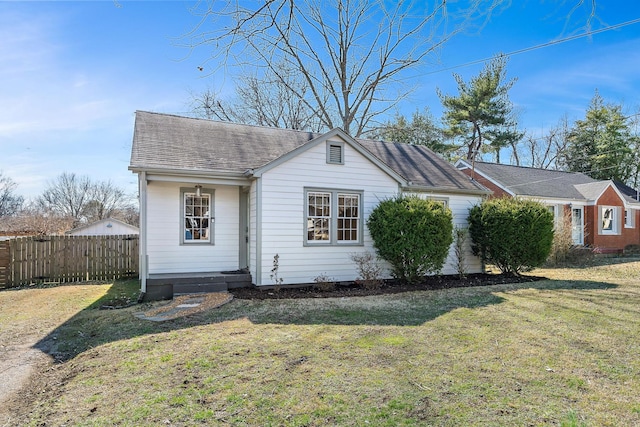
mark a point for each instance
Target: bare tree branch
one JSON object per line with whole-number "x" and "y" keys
{"x": 350, "y": 53}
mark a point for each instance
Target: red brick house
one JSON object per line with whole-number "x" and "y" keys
{"x": 605, "y": 215}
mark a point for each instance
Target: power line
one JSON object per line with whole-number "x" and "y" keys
{"x": 539, "y": 46}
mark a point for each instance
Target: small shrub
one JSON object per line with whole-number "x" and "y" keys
{"x": 412, "y": 234}
{"x": 324, "y": 283}
{"x": 562, "y": 241}
{"x": 580, "y": 256}
{"x": 515, "y": 235}
{"x": 277, "y": 281}
{"x": 460, "y": 246}
{"x": 369, "y": 271}
{"x": 632, "y": 250}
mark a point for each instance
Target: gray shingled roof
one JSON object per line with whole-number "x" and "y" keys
{"x": 169, "y": 142}
{"x": 629, "y": 192}
{"x": 525, "y": 181}
{"x": 163, "y": 141}
{"x": 419, "y": 165}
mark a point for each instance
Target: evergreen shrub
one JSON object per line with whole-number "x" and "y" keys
{"x": 412, "y": 234}
{"x": 513, "y": 234}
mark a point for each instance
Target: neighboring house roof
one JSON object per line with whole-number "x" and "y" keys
{"x": 525, "y": 181}
{"x": 101, "y": 224}
{"x": 164, "y": 142}
{"x": 544, "y": 183}
{"x": 628, "y": 191}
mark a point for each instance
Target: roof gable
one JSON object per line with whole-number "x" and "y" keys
{"x": 334, "y": 133}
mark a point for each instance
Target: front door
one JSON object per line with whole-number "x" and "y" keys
{"x": 577, "y": 225}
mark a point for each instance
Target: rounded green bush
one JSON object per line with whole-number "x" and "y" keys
{"x": 513, "y": 234}
{"x": 412, "y": 234}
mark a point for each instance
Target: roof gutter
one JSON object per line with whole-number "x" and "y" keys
{"x": 424, "y": 188}
{"x": 206, "y": 177}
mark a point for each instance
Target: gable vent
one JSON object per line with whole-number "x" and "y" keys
{"x": 335, "y": 154}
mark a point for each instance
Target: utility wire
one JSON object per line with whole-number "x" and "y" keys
{"x": 539, "y": 46}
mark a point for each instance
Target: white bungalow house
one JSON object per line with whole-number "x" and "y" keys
{"x": 220, "y": 198}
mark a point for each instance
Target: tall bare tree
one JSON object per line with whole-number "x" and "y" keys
{"x": 10, "y": 202}
{"x": 542, "y": 151}
{"x": 81, "y": 199}
{"x": 266, "y": 100}
{"x": 352, "y": 54}
{"x": 355, "y": 56}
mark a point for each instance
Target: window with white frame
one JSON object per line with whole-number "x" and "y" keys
{"x": 609, "y": 220}
{"x": 196, "y": 216}
{"x": 318, "y": 216}
{"x": 348, "y": 217}
{"x": 333, "y": 217}
{"x": 629, "y": 218}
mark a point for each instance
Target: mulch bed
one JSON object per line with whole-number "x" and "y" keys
{"x": 351, "y": 289}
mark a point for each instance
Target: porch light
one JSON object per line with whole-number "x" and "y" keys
{"x": 198, "y": 190}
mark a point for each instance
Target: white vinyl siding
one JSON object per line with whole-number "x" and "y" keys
{"x": 164, "y": 227}
{"x": 459, "y": 205}
{"x": 283, "y": 203}
{"x": 284, "y": 218}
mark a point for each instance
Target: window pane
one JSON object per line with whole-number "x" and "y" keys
{"x": 607, "y": 219}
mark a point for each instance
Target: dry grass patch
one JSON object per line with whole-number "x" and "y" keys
{"x": 557, "y": 352}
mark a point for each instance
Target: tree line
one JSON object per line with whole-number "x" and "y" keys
{"x": 314, "y": 66}
{"x": 68, "y": 201}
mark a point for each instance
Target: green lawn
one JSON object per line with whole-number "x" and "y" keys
{"x": 564, "y": 351}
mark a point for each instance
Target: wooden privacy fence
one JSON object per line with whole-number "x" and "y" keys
{"x": 26, "y": 260}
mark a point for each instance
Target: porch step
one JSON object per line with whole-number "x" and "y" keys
{"x": 198, "y": 288}
{"x": 165, "y": 286}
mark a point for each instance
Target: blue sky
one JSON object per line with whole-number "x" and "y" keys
{"x": 74, "y": 73}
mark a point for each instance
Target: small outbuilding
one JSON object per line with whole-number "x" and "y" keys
{"x": 105, "y": 227}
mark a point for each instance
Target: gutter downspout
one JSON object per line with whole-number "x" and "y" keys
{"x": 143, "y": 259}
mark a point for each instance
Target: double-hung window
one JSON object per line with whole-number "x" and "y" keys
{"x": 333, "y": 217}
{"x": 609, "y": 220}
{"x": 196, "y": 216}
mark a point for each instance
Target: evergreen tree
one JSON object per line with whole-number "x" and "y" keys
{"x": 482, "y": 113}
{"x": 421, "y": 130}
{"x": 601, "y": 145}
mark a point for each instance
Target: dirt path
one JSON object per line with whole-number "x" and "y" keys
{"x": 26, "y": 317}
{"x": 18, "y": 362}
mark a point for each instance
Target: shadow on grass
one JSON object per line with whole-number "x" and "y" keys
{"x": 598, "y": 261}
{"x": 93, "y": 327}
